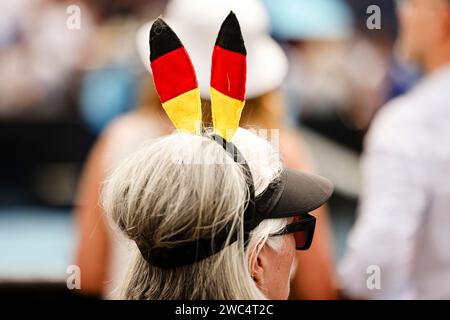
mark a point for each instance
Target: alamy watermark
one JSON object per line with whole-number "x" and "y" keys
{"x": 373, "y": 281}
{"x": 373, "y": 22}
{"x": 73, "y": 21}
{"x": 73, "y": 280}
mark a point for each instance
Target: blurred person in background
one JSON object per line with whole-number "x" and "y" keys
{"x": 111, "y": 70}
{"x": 404, "y": 211}
{"x": 104, "y": 255}
{"x": 316, "y": 35}
{"x": 39, "y": 55}
{"x": 331, "y": 51}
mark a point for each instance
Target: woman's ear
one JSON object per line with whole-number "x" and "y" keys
{"x": 270, "y": 268}
{"x": 258, "y": 263}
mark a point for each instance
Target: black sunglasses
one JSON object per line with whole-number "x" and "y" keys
{"x": 303, "y": 230}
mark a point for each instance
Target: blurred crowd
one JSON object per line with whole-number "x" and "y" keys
{"x": 321, "y": 69}
{"x": 55, "y": 70}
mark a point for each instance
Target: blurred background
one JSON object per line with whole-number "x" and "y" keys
{"x": 63, "y": 85}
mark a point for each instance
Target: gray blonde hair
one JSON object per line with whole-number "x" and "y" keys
{"x": 173, "y": 191}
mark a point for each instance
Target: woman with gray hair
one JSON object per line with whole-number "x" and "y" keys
{"x": 185, "y": 189}
{"x": 213, "y": 213}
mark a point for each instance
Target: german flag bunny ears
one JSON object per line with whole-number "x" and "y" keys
{"x": 176, "y": 83}
{"x": 228, "y": 76}
{"x": 174, "y": 78}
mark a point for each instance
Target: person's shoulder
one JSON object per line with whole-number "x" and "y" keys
{"x": 414, "y": 125}
{"x": 425, "y": 103}
{"x": 123, "y": 123}
{"x": 397, "y": 127}
{"x": 134, "y": 125}
{"x": 129, "y": 132}
{"x": 396, "y": 115}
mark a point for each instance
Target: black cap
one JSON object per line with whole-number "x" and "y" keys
{"x": 293, "y": 193}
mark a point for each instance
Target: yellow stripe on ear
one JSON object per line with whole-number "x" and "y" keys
{"x": 226, "y": 113}
{"x": 185, "y": 111}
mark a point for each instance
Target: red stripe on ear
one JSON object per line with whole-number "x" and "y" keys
{"x": 173, "y": 74}
{"x": 228, "y": 72}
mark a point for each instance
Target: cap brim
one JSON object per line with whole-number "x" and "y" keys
{"x": 302, "y": 193}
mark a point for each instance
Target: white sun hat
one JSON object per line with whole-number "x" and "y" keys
{"x": 197, "y": 22}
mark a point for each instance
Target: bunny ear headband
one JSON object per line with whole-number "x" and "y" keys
{"x": 176, "y": 83}
{"x": 293, "y": 194}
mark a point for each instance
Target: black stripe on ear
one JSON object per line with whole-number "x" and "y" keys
{"x": 162, "y": 39}
{"x": 230, "y": 36}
